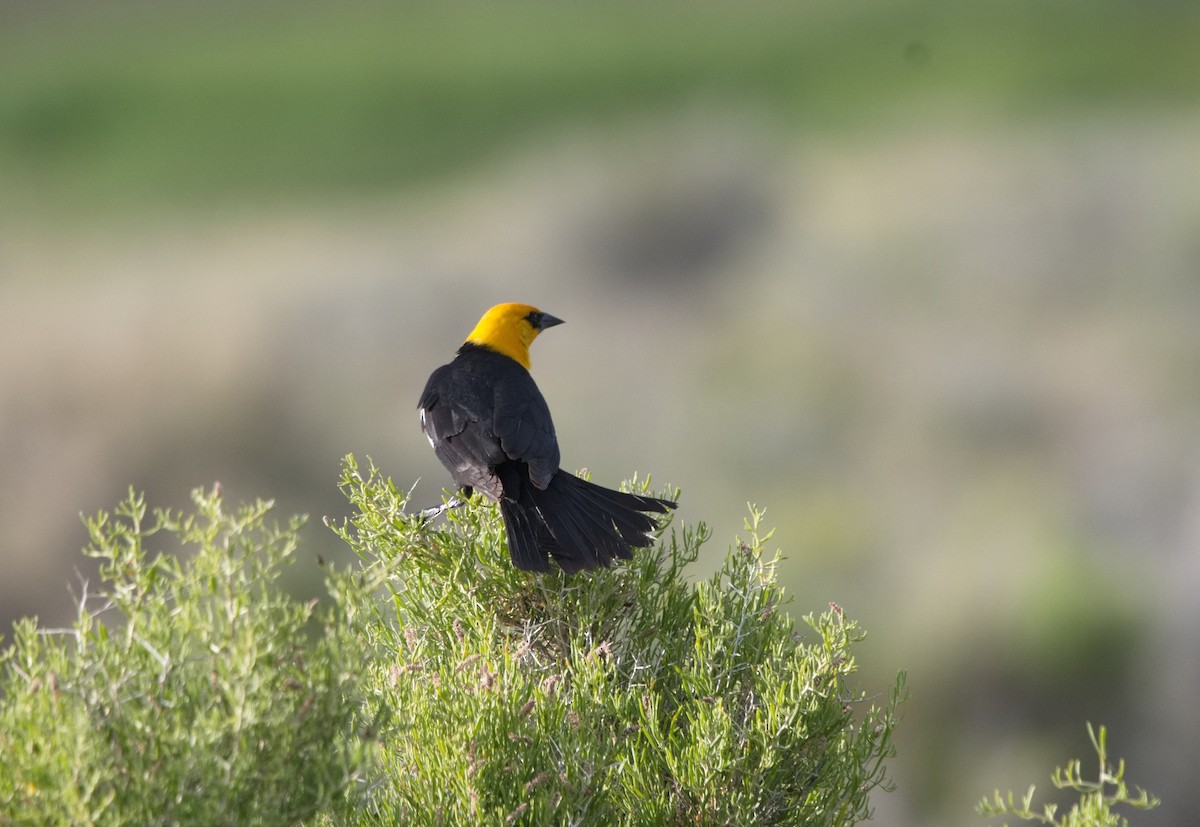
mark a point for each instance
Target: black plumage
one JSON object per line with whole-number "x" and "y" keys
{"x": 490, "y": 426}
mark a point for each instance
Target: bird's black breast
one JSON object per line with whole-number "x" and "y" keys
{"x": 484, "y": 409}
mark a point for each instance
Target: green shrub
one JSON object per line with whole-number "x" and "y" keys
{"x": 1097, "y": 799}
{"x": 625, "y": 696}
{"x": 438, "y": 685}
{"x": 190, "y": 690}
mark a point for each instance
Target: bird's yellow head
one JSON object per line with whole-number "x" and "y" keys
{"x": 510, "y": 329}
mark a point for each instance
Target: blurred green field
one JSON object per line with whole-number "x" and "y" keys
{"x": 126, "y": 106}
{"x": 919, "y": 278}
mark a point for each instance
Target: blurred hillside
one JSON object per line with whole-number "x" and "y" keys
{"x": 921, "y": 278}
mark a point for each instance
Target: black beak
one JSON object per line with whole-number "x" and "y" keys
{"x": 541, "y": 321}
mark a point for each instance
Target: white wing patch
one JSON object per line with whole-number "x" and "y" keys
{"x": 424, "y": 429}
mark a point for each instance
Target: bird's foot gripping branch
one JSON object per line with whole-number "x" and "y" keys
{"x": 627, "y": 695}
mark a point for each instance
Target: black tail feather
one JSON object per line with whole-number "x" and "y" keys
{"x": 578, "y": 524}
{"x": 524, "y": 548}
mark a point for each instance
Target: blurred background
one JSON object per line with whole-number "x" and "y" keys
{"x": 920, "y": 278}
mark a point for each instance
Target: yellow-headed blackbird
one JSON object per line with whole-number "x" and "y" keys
{"x": 491, "y": 428}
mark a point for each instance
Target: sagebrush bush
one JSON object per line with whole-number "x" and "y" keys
{"x": 622, "y": 696}
{"x": 190, "y": 689}
{"x": 436, "y": 685}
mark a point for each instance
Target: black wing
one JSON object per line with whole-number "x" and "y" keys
{"x": 523, "y": 424}
{"x": 484, "y": 409}
{"x": 457, "y": 422}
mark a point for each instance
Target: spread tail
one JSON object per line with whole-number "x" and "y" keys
{"x": 576, "y": 523}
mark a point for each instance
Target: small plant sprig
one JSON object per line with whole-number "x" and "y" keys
{"x": 1097, "y": 799}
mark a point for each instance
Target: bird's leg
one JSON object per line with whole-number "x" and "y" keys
{"x": 427, "y": 514}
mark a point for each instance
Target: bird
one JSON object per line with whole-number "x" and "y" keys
{"x": 491, "y": 428}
